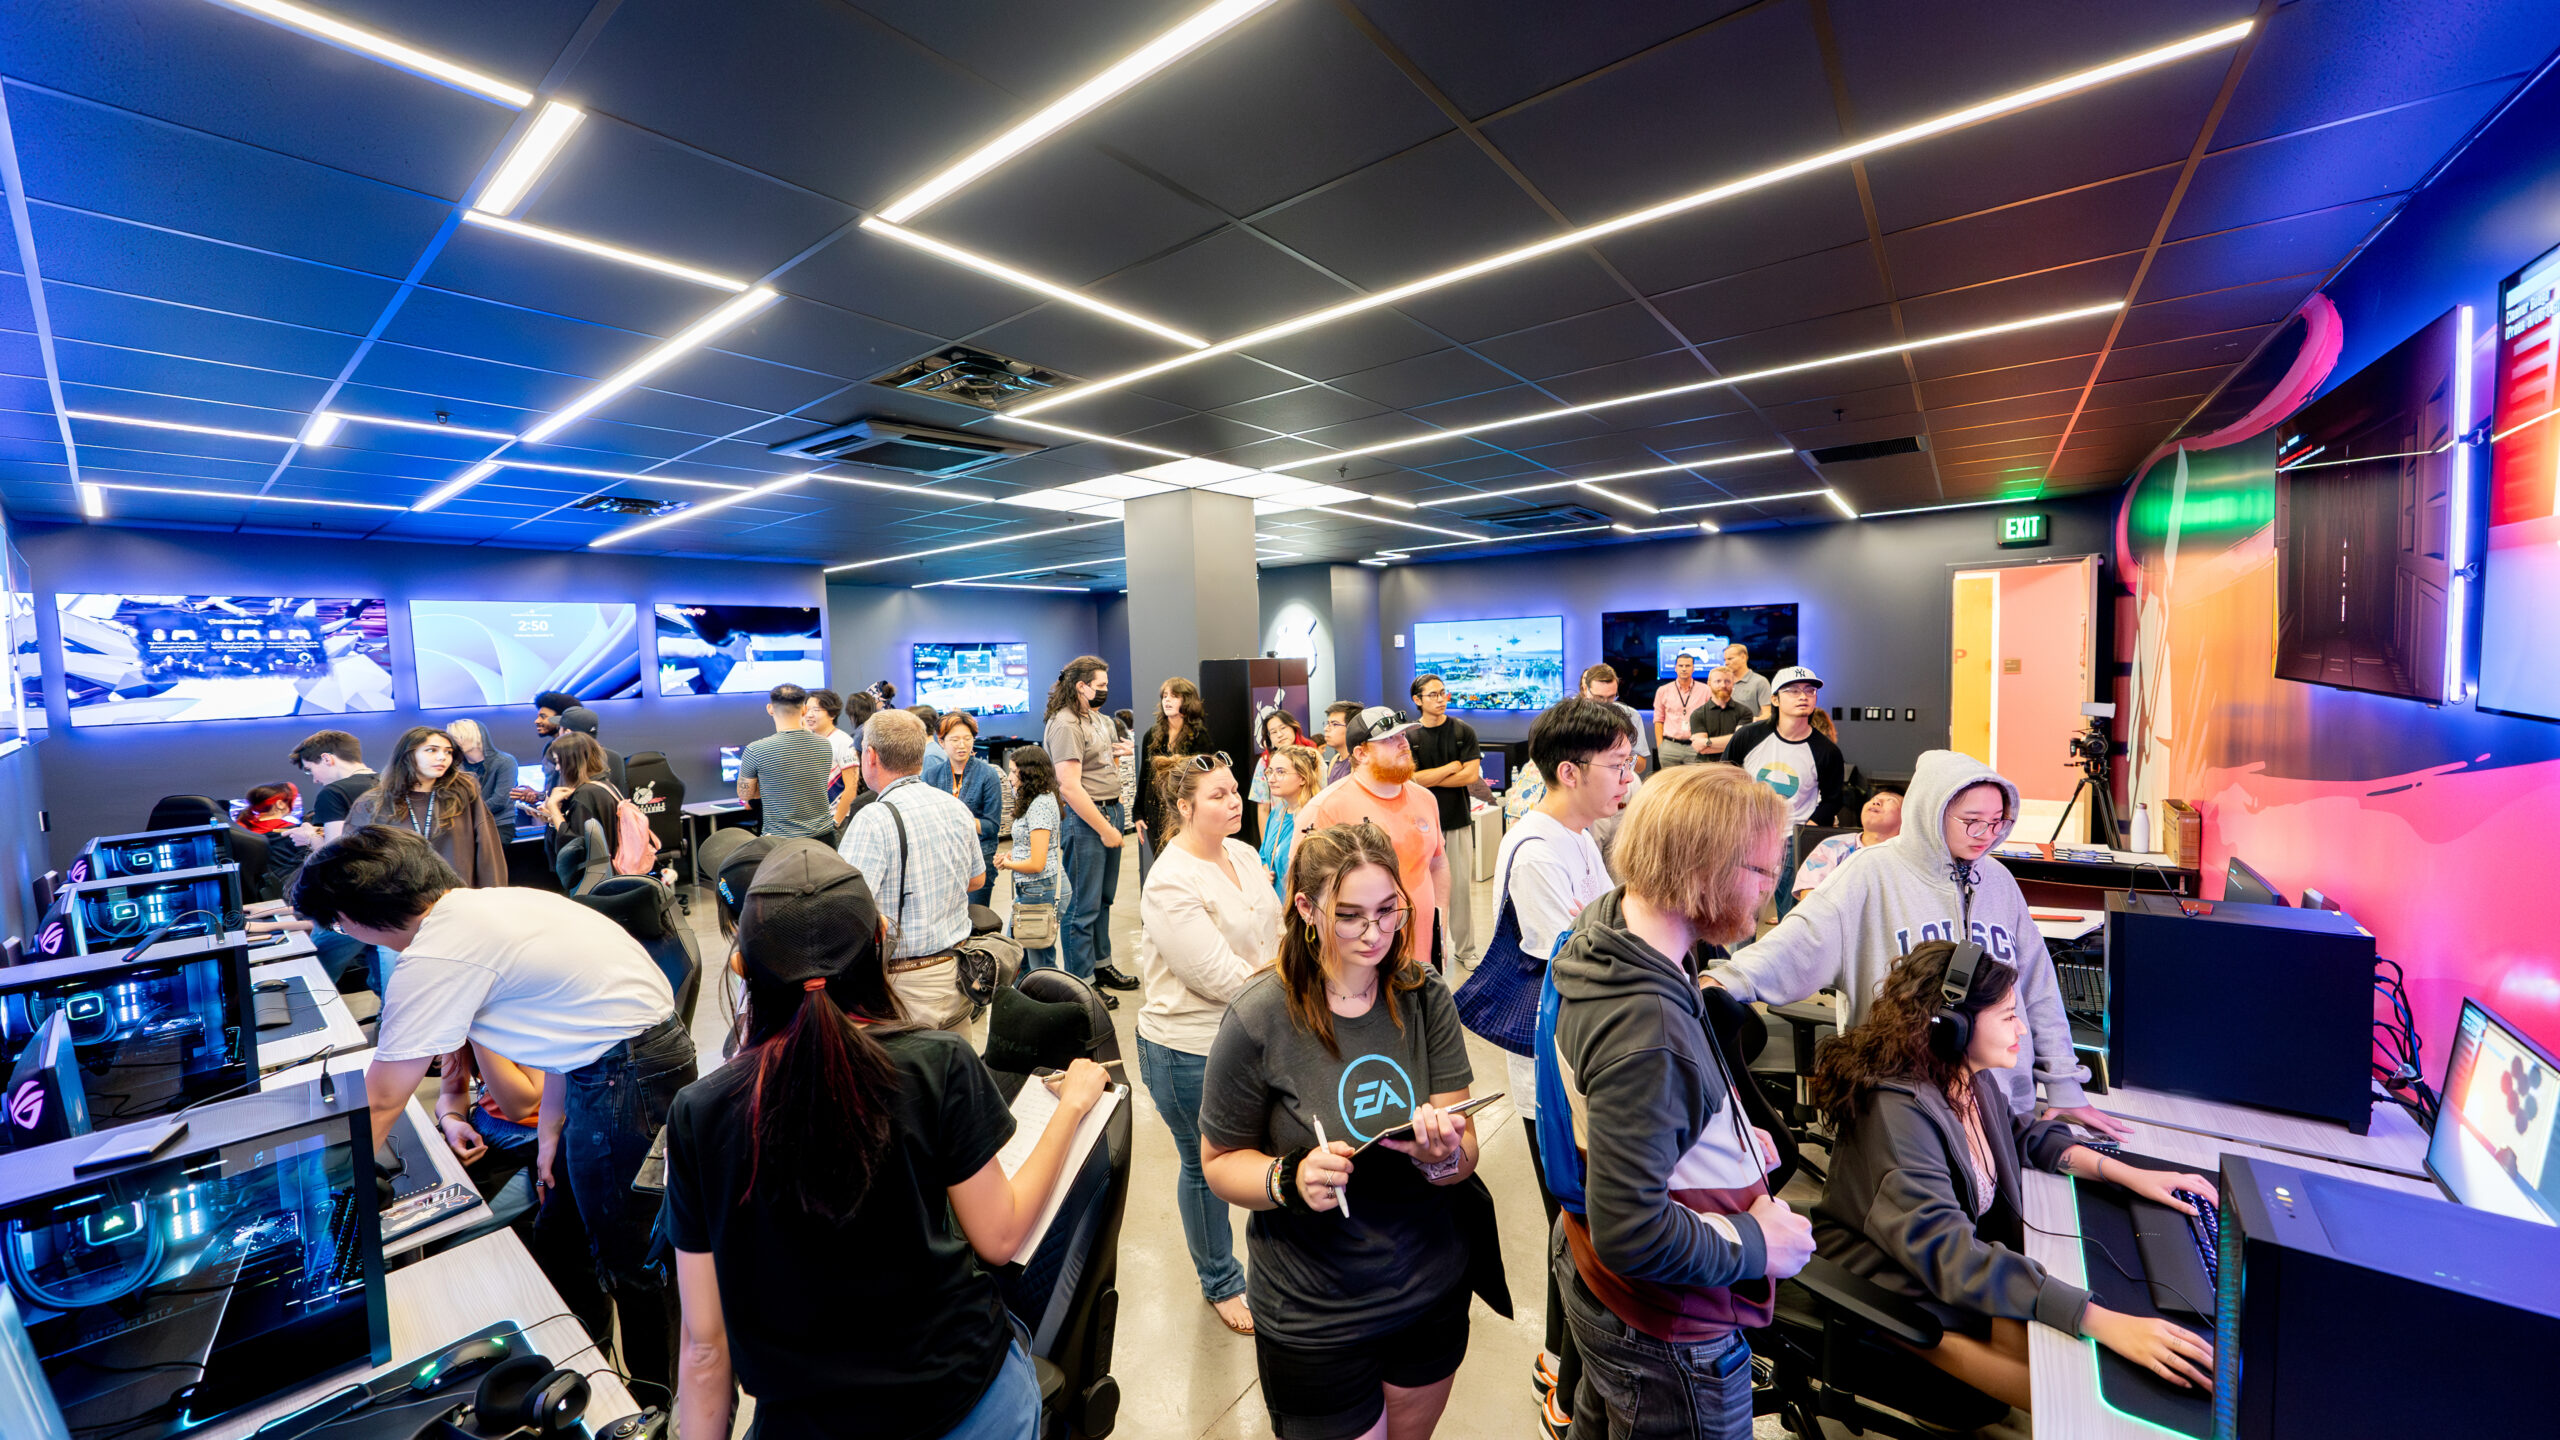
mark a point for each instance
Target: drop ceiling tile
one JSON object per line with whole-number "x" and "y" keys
{"x": 617, "y": 183}
{"x": 1307, "y": 408}
{"x": 1999, "y": 302}
{"x": 107, "y": 318}
{"x": 2318, "y": 169}
{"x": 1631, "y": 377}
{"x": 1438, "y": 205}
{"x": 1230, "y": 282}
{"x": 1216, "y": 383}
{"x": 1999, "y": 383}
{"x": 2242, "y": 307}
{"x": 1073, "y": 342}
{"x": 1361, "y": 343}
{"x": 1553, "y": 287}
{"x": 109, "y": 254}
{"x": 2185, "y": 355}
{"x": 820, "y": 338}
{"x": 2107, "y": 218}
{"x": 2312, "y": 244}
{"x": 1426, "y": 379}
{"x": 1626, "y": 331}
{"x": 1805, "y": 288}
{"x": 2324, "y": 62}
{"x": 1068, "y": 214}
{"x": 1904, "y": 63}
{"x": 1801, "y": 216}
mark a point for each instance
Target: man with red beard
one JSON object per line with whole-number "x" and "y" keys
{"x": 1377, "y": 789}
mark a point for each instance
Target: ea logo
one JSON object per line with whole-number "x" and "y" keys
{"x": 26, "y": 1105}
{"x": 1374, "y": 1094}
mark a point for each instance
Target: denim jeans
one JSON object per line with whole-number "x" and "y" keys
{"x": 1093, "y": 877}
{"x": 1030, "y": 890}
{"x": 1010, "y": 1410}
{"x": 985, "y": 894}
{"x": 617, "y": 1104}
{"x": 1641, "y": 1388}
{"x": 1174, "y": 1079}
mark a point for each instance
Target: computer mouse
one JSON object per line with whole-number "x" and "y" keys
{"x": 466, "y": 1359}
{"x": 268, "y": 986}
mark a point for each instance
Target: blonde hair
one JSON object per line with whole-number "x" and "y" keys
{"x": 1309, "y": 765}
{"x": 1686, "y": 839}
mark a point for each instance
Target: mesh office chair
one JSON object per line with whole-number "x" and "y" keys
{"x": 1066, "y": 1292}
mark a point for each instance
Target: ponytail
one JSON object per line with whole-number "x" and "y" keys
{"x": 818, "y": 1110}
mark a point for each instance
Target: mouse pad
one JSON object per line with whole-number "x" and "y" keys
{"x": 2107, "y": 1251}
{"x": 303, "y": 1015}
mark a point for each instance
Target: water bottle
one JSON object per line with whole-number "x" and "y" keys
{"x": 2141, "y": 829}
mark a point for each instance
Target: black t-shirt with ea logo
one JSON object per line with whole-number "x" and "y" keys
{"x": 1323, "y": 1279}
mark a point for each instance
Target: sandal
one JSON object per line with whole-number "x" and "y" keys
{"x": 1243, "y": 1326}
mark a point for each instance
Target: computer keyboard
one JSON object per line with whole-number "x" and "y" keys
{"x": 2206, "y": 1227}
{"x": 2084, "y": 986}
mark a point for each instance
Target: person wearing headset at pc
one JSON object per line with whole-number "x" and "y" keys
{"x": 1925, "y": 1198}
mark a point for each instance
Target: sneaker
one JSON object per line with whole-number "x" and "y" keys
{"x": 1552, "y": 1419}
{"x": 1542, "y": 1375}
{"x": 1112, "y": 977}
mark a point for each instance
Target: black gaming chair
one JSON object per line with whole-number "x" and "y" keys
{"x": 659, "y": 792}
{"x": 1066, "y": 1292}
{"x": 176, "y": 810}
{"x": 644, "y": 906}
{"x": 248, "y": 847}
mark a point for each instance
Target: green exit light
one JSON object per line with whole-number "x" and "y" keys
{"x": 2028, "y": 529}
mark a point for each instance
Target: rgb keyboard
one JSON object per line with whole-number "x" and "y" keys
{"x": 2206, "y": 1227}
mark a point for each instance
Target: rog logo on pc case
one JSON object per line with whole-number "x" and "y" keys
{"x": 26, "y": 1105}
{"x": 50, "y": 942}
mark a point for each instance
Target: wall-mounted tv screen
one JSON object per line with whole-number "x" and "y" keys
{"x": 1515, "y": 664}
{"x": 2520, "y": 574}
{"x": 26, "y": 658}
{"x": 505, "y": 652}
{"x": 981, "y": 677}
{"x": 738, "y": 649}
{"x": 2367, "y": 482}
{"x": 145, "y": 659}
{"x": 1644, "y": 645}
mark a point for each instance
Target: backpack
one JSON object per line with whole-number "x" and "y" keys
{"x": 635, "y": 845}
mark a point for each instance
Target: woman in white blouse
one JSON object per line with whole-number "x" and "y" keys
{"x": 1210, "y": 922}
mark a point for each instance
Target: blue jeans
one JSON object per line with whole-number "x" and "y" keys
{"x": 1010, "y": 1410}
{"x": 1635, "y": 1387}
{"x": 1174, "y": 1079}
{"x": 617, "y": 1104}
{"x": 1093, "y": 877}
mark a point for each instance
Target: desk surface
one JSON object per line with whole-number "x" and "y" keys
{"x": 714, "y": 807}
{"x": 339, "y": 1027}
{"x": 445, "y": 1297}
{"x": 2063, "y": 1372}
{"x": 296, "y": 945}
{"x": 2394, "y": 1143}
{"x": 423, "y": 1139}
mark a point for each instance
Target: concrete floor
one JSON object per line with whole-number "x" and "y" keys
{"x": 1182, "y": 1374}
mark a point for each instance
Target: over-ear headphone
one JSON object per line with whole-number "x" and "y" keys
{"x": 1951, "y": 1030}
{"x": 524, "y": 1393}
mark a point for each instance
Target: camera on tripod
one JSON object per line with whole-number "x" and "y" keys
{"x": 2091, "y": 748}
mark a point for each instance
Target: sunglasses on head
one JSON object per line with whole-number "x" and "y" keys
{"x": 1214, "y": 760}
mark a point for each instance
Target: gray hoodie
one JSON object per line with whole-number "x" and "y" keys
{"x": 1886, "y": 899}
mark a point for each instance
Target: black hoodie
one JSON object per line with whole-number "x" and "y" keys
{"x": 1666, "y": 1240}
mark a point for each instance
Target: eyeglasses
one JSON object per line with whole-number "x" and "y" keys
{"x": 1762, "y": 871}
{"x": 1432, "y": 695}
{"x": 1982, "y": 829}
{"x": 1356, "y": 927}
{"x": 1626, "y": 768}
{"x": 1214, "y": 760}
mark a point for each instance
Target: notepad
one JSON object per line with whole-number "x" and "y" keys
{"x": 1031, "y": 1111}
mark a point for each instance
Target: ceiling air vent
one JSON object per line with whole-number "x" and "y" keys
{"x": 915, "y": 449}
{"x": 971, "y": 377}
{"x": 1870, "y": 450}
{"x": 631, "y": 505}
{"x": 1543, "y": 517}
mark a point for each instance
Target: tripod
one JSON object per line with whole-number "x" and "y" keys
{"x": 2102, "y": 805}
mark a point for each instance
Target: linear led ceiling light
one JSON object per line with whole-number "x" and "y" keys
{"x": 965, "y": 545}
{"x": 2031, "y": 322}
{"x": 246, "y": 499}
{"x": 1149, "y": 58}
{"x": 177, "y": 425}
{"x": 652, "y": 477}
{"x": 1652, "y": 529}
{"x": 985, "y": 585}
{"x": 1008, "y": 574}
{"x": 1607, "y": 494}
{"x": 381, "y": 47}
{"x": 1386, "y": 520}
{"x": 695, "y": 512}
{"x": 2012, "y": 102}
{"x": 1614, "y": 475}
{"x": 93, "y": 501}
{"x": 690, "y": 338}
{"x": 456, "y": 485}
{"x": 1744, "y": 500}
{"x": 1839, "y": 504}
{"x": 324, "y": 427}
{"x": 998, "y": 270}
{"x": 1098, "y": 438}
{"x": 602, "y": 251}
{"x": 533, "y": 154}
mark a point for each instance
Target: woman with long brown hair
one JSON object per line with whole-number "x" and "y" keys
{"x": 1181, "y": 728}
{"x": 1362, "y": 1313}
{"x": 583, "y": 793}
{"x": 1925, "y": 1199}
{"x": 426, "y": 790}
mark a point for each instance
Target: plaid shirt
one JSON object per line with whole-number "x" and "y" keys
{"x": 928, "y": 895}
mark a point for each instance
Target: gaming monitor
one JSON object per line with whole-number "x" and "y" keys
{"x": 2492, "y": 1148}
{"x": 1515, "y": 664}
{"x": 152, "y": 852}
{"x": 981, "y": 677}
{"x": 151, "y": 1036}
{"x": 1497, "y": 768}
{"x": 738, "y": 649}
{"x": 115, "y": 911}
{"x": 2520, "y": 570}
{"x": 506, "y": 652}
{"x": 145, "y": 659}
{"x": 240, "y": 1262}
{"x": 1642, "y": 645}
{"x": 2372, "y": 507}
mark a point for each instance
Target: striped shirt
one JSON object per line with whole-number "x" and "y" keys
{"x": 790, "y": 768}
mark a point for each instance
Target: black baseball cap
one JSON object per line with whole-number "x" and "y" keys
{"x": 808, "y": 916}
{"x": 730, "y": 857}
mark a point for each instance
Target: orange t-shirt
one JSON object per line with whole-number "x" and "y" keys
{"x": 1411, "y": 820}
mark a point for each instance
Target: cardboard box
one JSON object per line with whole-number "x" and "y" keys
{"x": 2182, "y": 833}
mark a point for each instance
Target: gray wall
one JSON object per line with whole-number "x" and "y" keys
{"x": 22, "y": 817}
{"x": 1297, "y": 620}
{"x": 871, "y": 628}
{"x": 1192, "y": 589}
{"x": 1874, "y": 604}
{"x": 104, "y": 780}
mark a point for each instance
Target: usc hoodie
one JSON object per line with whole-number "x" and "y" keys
{"x": 1887, "y": 899}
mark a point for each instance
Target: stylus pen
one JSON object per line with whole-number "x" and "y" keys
{"x": 1342, "y": 1196}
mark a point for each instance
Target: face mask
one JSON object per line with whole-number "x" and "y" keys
{"x": 1101, "y": 696}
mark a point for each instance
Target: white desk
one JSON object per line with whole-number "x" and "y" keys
{"x": 701, "y": 818}
{"x": 296, "y": 945}
{"x": 445, "y": 1297}
{"x": 2080, "y": 923}
{"x": 2394, "y": 1143}
{"x": 423, "y": 1142}
{"x": 340, "y": 1030}
{"x": 2062, "y": 1372}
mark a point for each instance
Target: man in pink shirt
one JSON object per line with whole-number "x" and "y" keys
{"x": 1671, "y": 706}
{"x": 1379, "y": 789}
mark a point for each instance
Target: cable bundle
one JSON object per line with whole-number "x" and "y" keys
{"x": 2397, "y": 1064}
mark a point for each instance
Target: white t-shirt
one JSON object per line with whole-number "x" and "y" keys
{"x": 846, "y": 758}
{"x": 536, "y": 977}
{"x": 1559, "y": 872}
{"x": 1786, "y": 766}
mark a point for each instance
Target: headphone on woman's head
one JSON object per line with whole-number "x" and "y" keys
{"x": 1951, "y": 1030}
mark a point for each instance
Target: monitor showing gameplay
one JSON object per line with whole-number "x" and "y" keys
{"x": 2367, "y": 499}
{"x": 505, "y": 652}
{"x": 981, "y": 677}
{"x": 738, "y": 649}
{"x": 1644, "y": 645}
{"x": 1494, "y": 664}
{"x": 2520, "y": 573}
{"x": 148, "y": 659}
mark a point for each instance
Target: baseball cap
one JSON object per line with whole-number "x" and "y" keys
{"x": 730, "y": 857}
{"x": 807, "y": 915}
{"x": 578, "y": 718}
{"x": 1378, "y": 722}
{"x": 1794, "y": 675}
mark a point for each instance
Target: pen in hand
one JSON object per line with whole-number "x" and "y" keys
{"x": 1342, "y": 1193}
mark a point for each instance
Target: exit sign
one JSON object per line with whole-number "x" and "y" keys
{"x": 2026, "y": 529}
